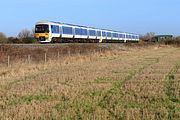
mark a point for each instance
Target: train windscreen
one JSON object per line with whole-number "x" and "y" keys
{"x": 42, "y": 29}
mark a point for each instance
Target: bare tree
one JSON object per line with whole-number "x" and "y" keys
{"x": 148, "y": 36}
{"x": 33, "y": 32}
{"x": 24, "y": 34}
{"x": 3, "y": 38}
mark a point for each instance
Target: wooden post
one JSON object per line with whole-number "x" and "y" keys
{"x": 58, "y": 55}
{"x": 29, "y": 59}
{"x": 94, "y": 51}
{"x": 45, "y": 57}
{"x": 8, "y": 60}
{"x": 69, "y": 52}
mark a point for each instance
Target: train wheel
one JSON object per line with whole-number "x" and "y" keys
{"x": 54, "y": 40}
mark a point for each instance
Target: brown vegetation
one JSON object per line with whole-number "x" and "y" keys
{"x": 37, "y": 54}
{"x": 3, "y": 38}
{"x": 127, "y": 82}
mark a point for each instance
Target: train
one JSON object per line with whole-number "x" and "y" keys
{"x": 56, "y": 32}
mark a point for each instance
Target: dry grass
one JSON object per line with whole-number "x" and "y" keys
{"x": 127, "y": 83}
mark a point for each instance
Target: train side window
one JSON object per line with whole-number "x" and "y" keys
{"x": 99, "y": 33}
{"x": 92, "y": 32}
{"x": 127, "y": 36}
{"x": 84, "y": 31}
{"x": 67, "y": 30}
{"x": 116, "y": 35}
{"x": 78, "y": 31}
{"x": 103, "y": 34}
{"x": 55, "y": 29}
{"x": 108, "y": 34}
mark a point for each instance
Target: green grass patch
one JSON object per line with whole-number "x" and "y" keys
{"x": 170, "y": 91}
{"x": 31, "y": 98}
{"x": 62, "y": 106}
{"x": 102, "y": 80}
{"x": 81, "y": 108}
{"x": 93, "y": 93}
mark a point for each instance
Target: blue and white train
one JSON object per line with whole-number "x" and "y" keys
{"x": 46, "y": 31}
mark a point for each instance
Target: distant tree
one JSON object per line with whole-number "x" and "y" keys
{"x": 3, "y": 38}
{"x": 148, "y": 36}
{"x": 26, "y": 36}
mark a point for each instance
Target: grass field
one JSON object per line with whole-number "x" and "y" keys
{"x": 129, "y": 83}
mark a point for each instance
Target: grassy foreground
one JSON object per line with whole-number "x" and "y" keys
{"x": 124, "y": 84}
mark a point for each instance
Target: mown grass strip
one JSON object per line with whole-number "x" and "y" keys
{"x": 102, "y": 80}
{"x": 105, "y": 102}
{"x": 29, "y": 99}
{"x": 170, "y": 92}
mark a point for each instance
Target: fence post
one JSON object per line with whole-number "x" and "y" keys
{"x": 29, "y": 58}
{"x": 69, "y": 52}
{"x": 58, "y": 55}
{"x": 94, "y": 51}
{"x": 8, "y": 60}
{"x": 45, "y": 57}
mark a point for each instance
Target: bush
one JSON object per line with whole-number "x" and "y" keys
{"x": 3, "y": 38}
{"x": 174, "y": 41}
{"x": 13, "y": 40}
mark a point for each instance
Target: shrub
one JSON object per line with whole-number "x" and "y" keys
{"x": 3, "y": 38}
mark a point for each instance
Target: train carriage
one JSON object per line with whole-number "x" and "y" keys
{"x": 46, "y": 32}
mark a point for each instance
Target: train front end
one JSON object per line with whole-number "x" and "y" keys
{"x": 42, "y": 32}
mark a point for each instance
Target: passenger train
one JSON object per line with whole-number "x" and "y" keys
{"x": 46, "y": 32}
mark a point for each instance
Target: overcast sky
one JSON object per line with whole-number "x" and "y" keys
{"x": 137, "y": 16}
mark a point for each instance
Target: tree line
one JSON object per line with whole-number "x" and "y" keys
{"x": 27, "y": 36}
{"x": 151, "y": 37}
{"x": 24, "y": 36}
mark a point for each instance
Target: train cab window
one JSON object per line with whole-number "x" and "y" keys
{"x": 42, "y": 28}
